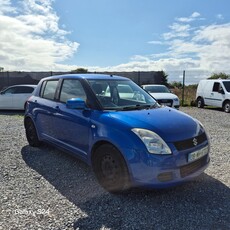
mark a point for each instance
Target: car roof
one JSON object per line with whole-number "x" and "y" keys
{"x": 217, "y": 80}
{"x": 87, "y": 77}
{"x": 34, "y": 86}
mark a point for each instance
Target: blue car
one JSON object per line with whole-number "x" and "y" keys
{"x": 118, "y": 129}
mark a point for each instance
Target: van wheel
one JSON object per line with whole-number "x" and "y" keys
{"x": 110, "y": 169}
{"x": 226, "y": 107}
{"x": 200, "y": 103}
{"x": 31, "y": 133}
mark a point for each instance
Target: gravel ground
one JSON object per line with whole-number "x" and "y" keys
{"x": 42, "y": 188}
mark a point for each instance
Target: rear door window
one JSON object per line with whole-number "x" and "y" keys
{"x": 49, "y": 89}
{"x": 23, "y": 89}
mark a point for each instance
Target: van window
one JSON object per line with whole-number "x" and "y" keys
{"x": 227, "y": 85}
{"x": 216, "y": 87}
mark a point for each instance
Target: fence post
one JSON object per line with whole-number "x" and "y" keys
{"x": 139, "y": 78}
{"x": 8, "y": 78}
{"x": 183, "y": 88}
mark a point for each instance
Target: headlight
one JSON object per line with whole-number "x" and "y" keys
{"x": 154, "y": 143}
{"x": 176, "y": 99}
{"x": 201, "y": 125}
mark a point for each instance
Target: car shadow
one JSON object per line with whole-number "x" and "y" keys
{"x": 201, "y": 204}
{"x": 214, "y": 108}
{"x": 12, "y": 112}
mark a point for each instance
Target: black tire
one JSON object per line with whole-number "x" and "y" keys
{"x": 226, "y": 107}
{"x": 110, "y": 169}
{"x": 200, "y": 102}
{"x": 31, "y": 133}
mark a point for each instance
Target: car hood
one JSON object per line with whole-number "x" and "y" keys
{"x": 163, "y": 95}
{"x": 172, "y": 125}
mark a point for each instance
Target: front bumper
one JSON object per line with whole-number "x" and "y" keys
{"x": 161, "y": 171}
{"x": 169, "y": 102}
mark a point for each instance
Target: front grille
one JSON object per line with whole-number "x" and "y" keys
{"x": 192, "y": 167}
{"x": 167, "y": 102}
{"x": 189, "y": 143}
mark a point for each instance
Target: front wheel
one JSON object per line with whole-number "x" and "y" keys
{"x": 110, "y": 169}
{"x": 31, "y": 133}
{"x": 226, "y": 107}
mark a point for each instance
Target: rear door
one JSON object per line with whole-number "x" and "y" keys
{"x": 19, "y": 97}
{"x": 46, "y": 108}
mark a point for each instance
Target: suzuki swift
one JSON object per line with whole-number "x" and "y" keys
{"x": 117, "y": 128}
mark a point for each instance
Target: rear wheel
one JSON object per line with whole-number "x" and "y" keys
{"x": 200, "y": 102}
{"x": 226, "y": 107}
{"x": 31, "y": 133}
{"x": 110, "y": 169}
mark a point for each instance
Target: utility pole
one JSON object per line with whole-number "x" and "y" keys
{"x": 183, "y": 88}
{"x": 2, "y": 76}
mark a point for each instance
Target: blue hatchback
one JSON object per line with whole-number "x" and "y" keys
{"x": 117, "y": 128}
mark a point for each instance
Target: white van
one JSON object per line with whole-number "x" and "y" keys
{"x": 214, "y": 93}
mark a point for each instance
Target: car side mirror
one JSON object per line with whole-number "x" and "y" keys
{"x": 76, "y": 103}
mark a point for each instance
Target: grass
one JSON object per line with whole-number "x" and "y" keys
{"x": 189, "y": 95}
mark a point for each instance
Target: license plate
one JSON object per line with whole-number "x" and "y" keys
{"x": 197, "y": 154}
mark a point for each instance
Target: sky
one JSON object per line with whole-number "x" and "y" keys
{"x": 117, "y": 35}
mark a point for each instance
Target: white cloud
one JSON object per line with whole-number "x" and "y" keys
{"x": 220, "y": 16}
{"x": 192, "y": 17}
{"x": 6, "y": 7}
{"x": 177, "y": 30}
{"x": 156, "y": 42}
{"x": 195, "y": 15}
{"x": 199, "y": 50}
{"x": 179, "y": 27}
{"x": 214, "y": 55}
{"x": 31, "y": 38}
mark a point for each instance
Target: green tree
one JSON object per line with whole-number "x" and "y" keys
{"x": 176, "y": 84}
{"x": 164, "y": 77}
{"x": 219, "y": 75}
{"x": 80, "y": 70}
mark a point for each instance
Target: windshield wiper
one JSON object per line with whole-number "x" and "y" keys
{"x": 137, "y": 107}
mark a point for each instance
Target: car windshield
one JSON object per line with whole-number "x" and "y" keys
{"x": 121, "y": 95}
{"x": 227, "y": 85}
{"x": 157, "y": 89}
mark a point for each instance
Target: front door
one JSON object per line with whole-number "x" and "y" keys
{"x": 71, "y": 125}
{"x": 6, "y": 98}
{"x": 216, "y": 96}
